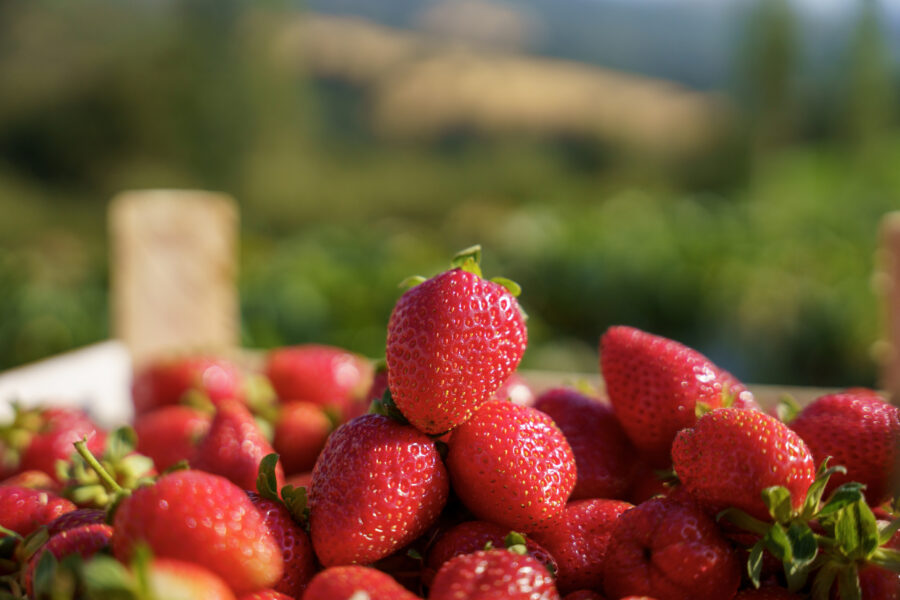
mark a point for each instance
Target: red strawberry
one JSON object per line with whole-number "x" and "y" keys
{"x": 84, "y": 540}
{"x": 183, "y": 580}
{"x": 583, "y": 595}
{"x": 860, "y": 431}
{"x": 578, "y": 538}
{"x": 60, "y": 428}
{"x": 324, "y": 375}
{"x": 234, "y": 447}
{"x": 452, "y": 341}
{"x": 603, "y": 454}
{"x": 168, "y": 381}
{"x": 296, "y": 548}
{"x": 490, "y": 574}
{"x": 345, "y": 582}
{"x": 35, "y": 480}
{"x": 670, "y": 550}
{"x": 768, "y": 592}
{"x": 301, "y": 431}
{"x": 377, "y": 486}
{"x": 731, "y": 455}
{"x": 266, "y": 595}
{"x": 655, "y": 383}
{"x": 170, "y": 434}
{"x": 202, "y": 518}
{"x": 472, "y": 536}
{"x": 516, "y": 390}
{"x": 76, "y": 518}
{"x": 511, "y": 465}
{"x": 23, "y": 510}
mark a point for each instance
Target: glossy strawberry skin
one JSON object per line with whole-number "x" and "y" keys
{"x": 578, "y": 538}
{"x": 23, "y": 510}
{"x": 301, "y": 431}
{"x": 342, "y": 582}
{"x": 202, "y": 518}
{"x": 490, "y": 574}
{"x": 603, "y": 455}
{"x": 327, "y": 376}
{"x": 83, "y": 540}
{"x": 267, "y": 595}
{"x": 170, "y": 434}
{"x": 167, "y": 381}
{"x": 511, "y": 465}
{"x": 654, "y": 384}
{"x": 174, "y": 579}
{"x": 667, "y": 549}
{"x": 860, "y": 431}
{"x": 452, "y": 341}
{"x": 234, "y": 446}
{"x": 377, "y": 486}
{"x": 731, "y": 455}
{"x": 61, "y": 428}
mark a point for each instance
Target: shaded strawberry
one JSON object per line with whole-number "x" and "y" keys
{"x": 603, "y": 455}
{"x": 170, "y": 434}
{"x": 578, "y": 538}
{"x": 172, "y": 579}
{"x": 76, "y": 518}
{"x": 584, "y": 595}
{"x": 768, "y": 592}
{"x": 301, "y": 431}
{"x": 452, "y": 341}
{"x": 353, "y": 581}
{"x": 23, "y": 510}
{"x": 489, "y": 574}
{"x": 33, "y": 479}
{"x": 52, "y": 441}
{"x": 203, "y": 518}
{"x": 83, "y": 540}
{"x": 655, "y": 385}
{"x": 169, "y": 381}
{"x": 670, "y": 550}
{"x": 234, "y": 446}
{"x": 511, "y": 465}
{"x": 377, "y": 486}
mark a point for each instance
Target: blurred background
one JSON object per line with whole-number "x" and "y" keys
{"x": 713, "y": 171}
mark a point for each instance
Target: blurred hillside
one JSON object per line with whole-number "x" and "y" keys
{"x": 737, "y": 216}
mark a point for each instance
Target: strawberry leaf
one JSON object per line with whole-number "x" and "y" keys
{"x": 468, "y": 260}
{"x": 266, "y": 482}
{"x": 787, "y": 408}
{"x": 295, "y": 499}
{"x": 887, "y": 558}
{"x": 44, "y": 574}
{"x": 107, "y": 578}
{"x": 824, "y": 581}
{"x": 120, "y": 443}
{"x": 385, "y": 406}
{"x": 701, "y": 408}
{"x": 779, "y": 544}
{"x": 856, "y": 530}
{"x": 515, "y": 542}
{"x": 803, "y": 543}
{"x": 746, "y": 522}
{"x": 817, "y": 489}
{"x": 754, "y": 563}
{"x": 887, "y": 530}
{"x": 846, "y": 494}
{"x": 411, "y": 282}
{"x": 848, "y": 582}
{"x": 511, "y": 286}
{"x": 778, "y": 500}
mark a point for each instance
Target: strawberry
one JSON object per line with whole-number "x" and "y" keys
{"x": 583, "y": 595}
{"x": 603, "y": 454}
{"x": 655, "y": 384}
{"x": 35, "y": 480}
{"x": 169, "y": 381}
{"x": 353, "y": 581}
{"x": 202, "y": 518}
{"x": 511, "y": 465}
{"x": 377, "y": 486}
{"x": 330, "y": 377}
{"x": 666, "y": 549}
{"x": 301, "y": 431}
{"x": 84, "y": 540}
{"x": 578, "y": 538}
{"x": 23, "y": 510}
{"x": 768, "y": 592}
{"x": 452, "y": 341}
{"x": 731, "y": 455}
{"x": 170, "y": 434}
{"x": 859, "y": 430}
{"x": 296, "y": 547}
{"x": 266, "y": 595}
{"x": 76, "y": 518}
{"x": 172, "y": 579}
{"x": 234, "y": 446}
{"x": 52, "y": 442}
{"x": 516, "y": 390}
{"x": 472, "y": 536}
{"x": 489, "y": 574}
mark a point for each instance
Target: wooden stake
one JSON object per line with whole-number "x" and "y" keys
{"x": 174, "y": 272}
{"x": 888, "y": 285}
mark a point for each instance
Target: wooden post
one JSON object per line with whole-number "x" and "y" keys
{"x": 174, "y": 272}
{"x": 888, "y": 284}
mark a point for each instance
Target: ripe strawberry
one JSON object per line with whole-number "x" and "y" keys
{"x": 266, "y": 595}
{"x": 731, "y": 455}
{"x": 516, "y": 390}
{"x": 170, "y": 434}
{"x": 583, "y": 595}
{"x": 296, "y": 547}
{"x": 23, "y": 510}
{"x": 35, "y": 480}
{"x": 511, "y": 465}
{"x": 768, "y": 592}
{"x": 301, "y": 431}
{"x": 330, "y": 377}
{"x": 452, "y": 341}
{"x": 168, "y": 381}
{"x": 860, "y": 431}
{"x": 603, "y": 455}
{"x": 655, "y": 383}
{"x": 377, "y": 486}
{"x": 52, "y": 442}
{"x": 489, "y": 574}
{"x": 345, "y": 582}
{"x": 472, "y": 536}
{"x": 202, "y": 518}
{"x": 234, "y": 446}
{"x": 84, "y": 540}
{"x": 172, "y": 579}
{"x": 670, "y": 550}
{"x": 76, "y": 518}
{"x": 578, "y": 538}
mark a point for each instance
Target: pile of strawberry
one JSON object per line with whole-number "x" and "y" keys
{"x": 439, "y": 474}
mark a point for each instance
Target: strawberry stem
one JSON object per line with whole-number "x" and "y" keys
{"x": 108, "y": 481}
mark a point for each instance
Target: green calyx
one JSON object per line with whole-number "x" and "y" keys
{"x": 468, "y": 260}
{"x": 102, "y": 482}
{"x": 293, "y": 498}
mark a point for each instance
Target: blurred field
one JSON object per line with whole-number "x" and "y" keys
{"x": 739, "y": 220}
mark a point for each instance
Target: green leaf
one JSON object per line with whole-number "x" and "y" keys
{"x": 887, "y": 530}
{"x": 754, "y": 563}
{"x": 846, "y": 494}
{"x": 846, "y": 531}
{"x": 817, "y": 489}
{"x": 107, "y": 578}
{"x": 848, "y": 582}
{"x": 266, "y": 482}
{"x": 385, "y": 406}
{"x": 9, "y": 532}
{"x": 120, "y": 443}
{"x": 44, "y": 574}
{"x": 887, "y": 558}
{"x": 778, "y": 500}
{"x": 511, "y": 286}
{"x": 297, "y": 503}
{"x": 515, "y": 542}
{"x": 803, "y": 543}
{"x": 778, "y": 543}
{"x": 787, "y": 408}
{"x": 414, "y": 554}
{"x": 824, "y": 581}
{"x": 701, "y": 408}
{"x": 411, "y": 282}
{"x": 746, "y": 522}
{"x": 468, "y": 260}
